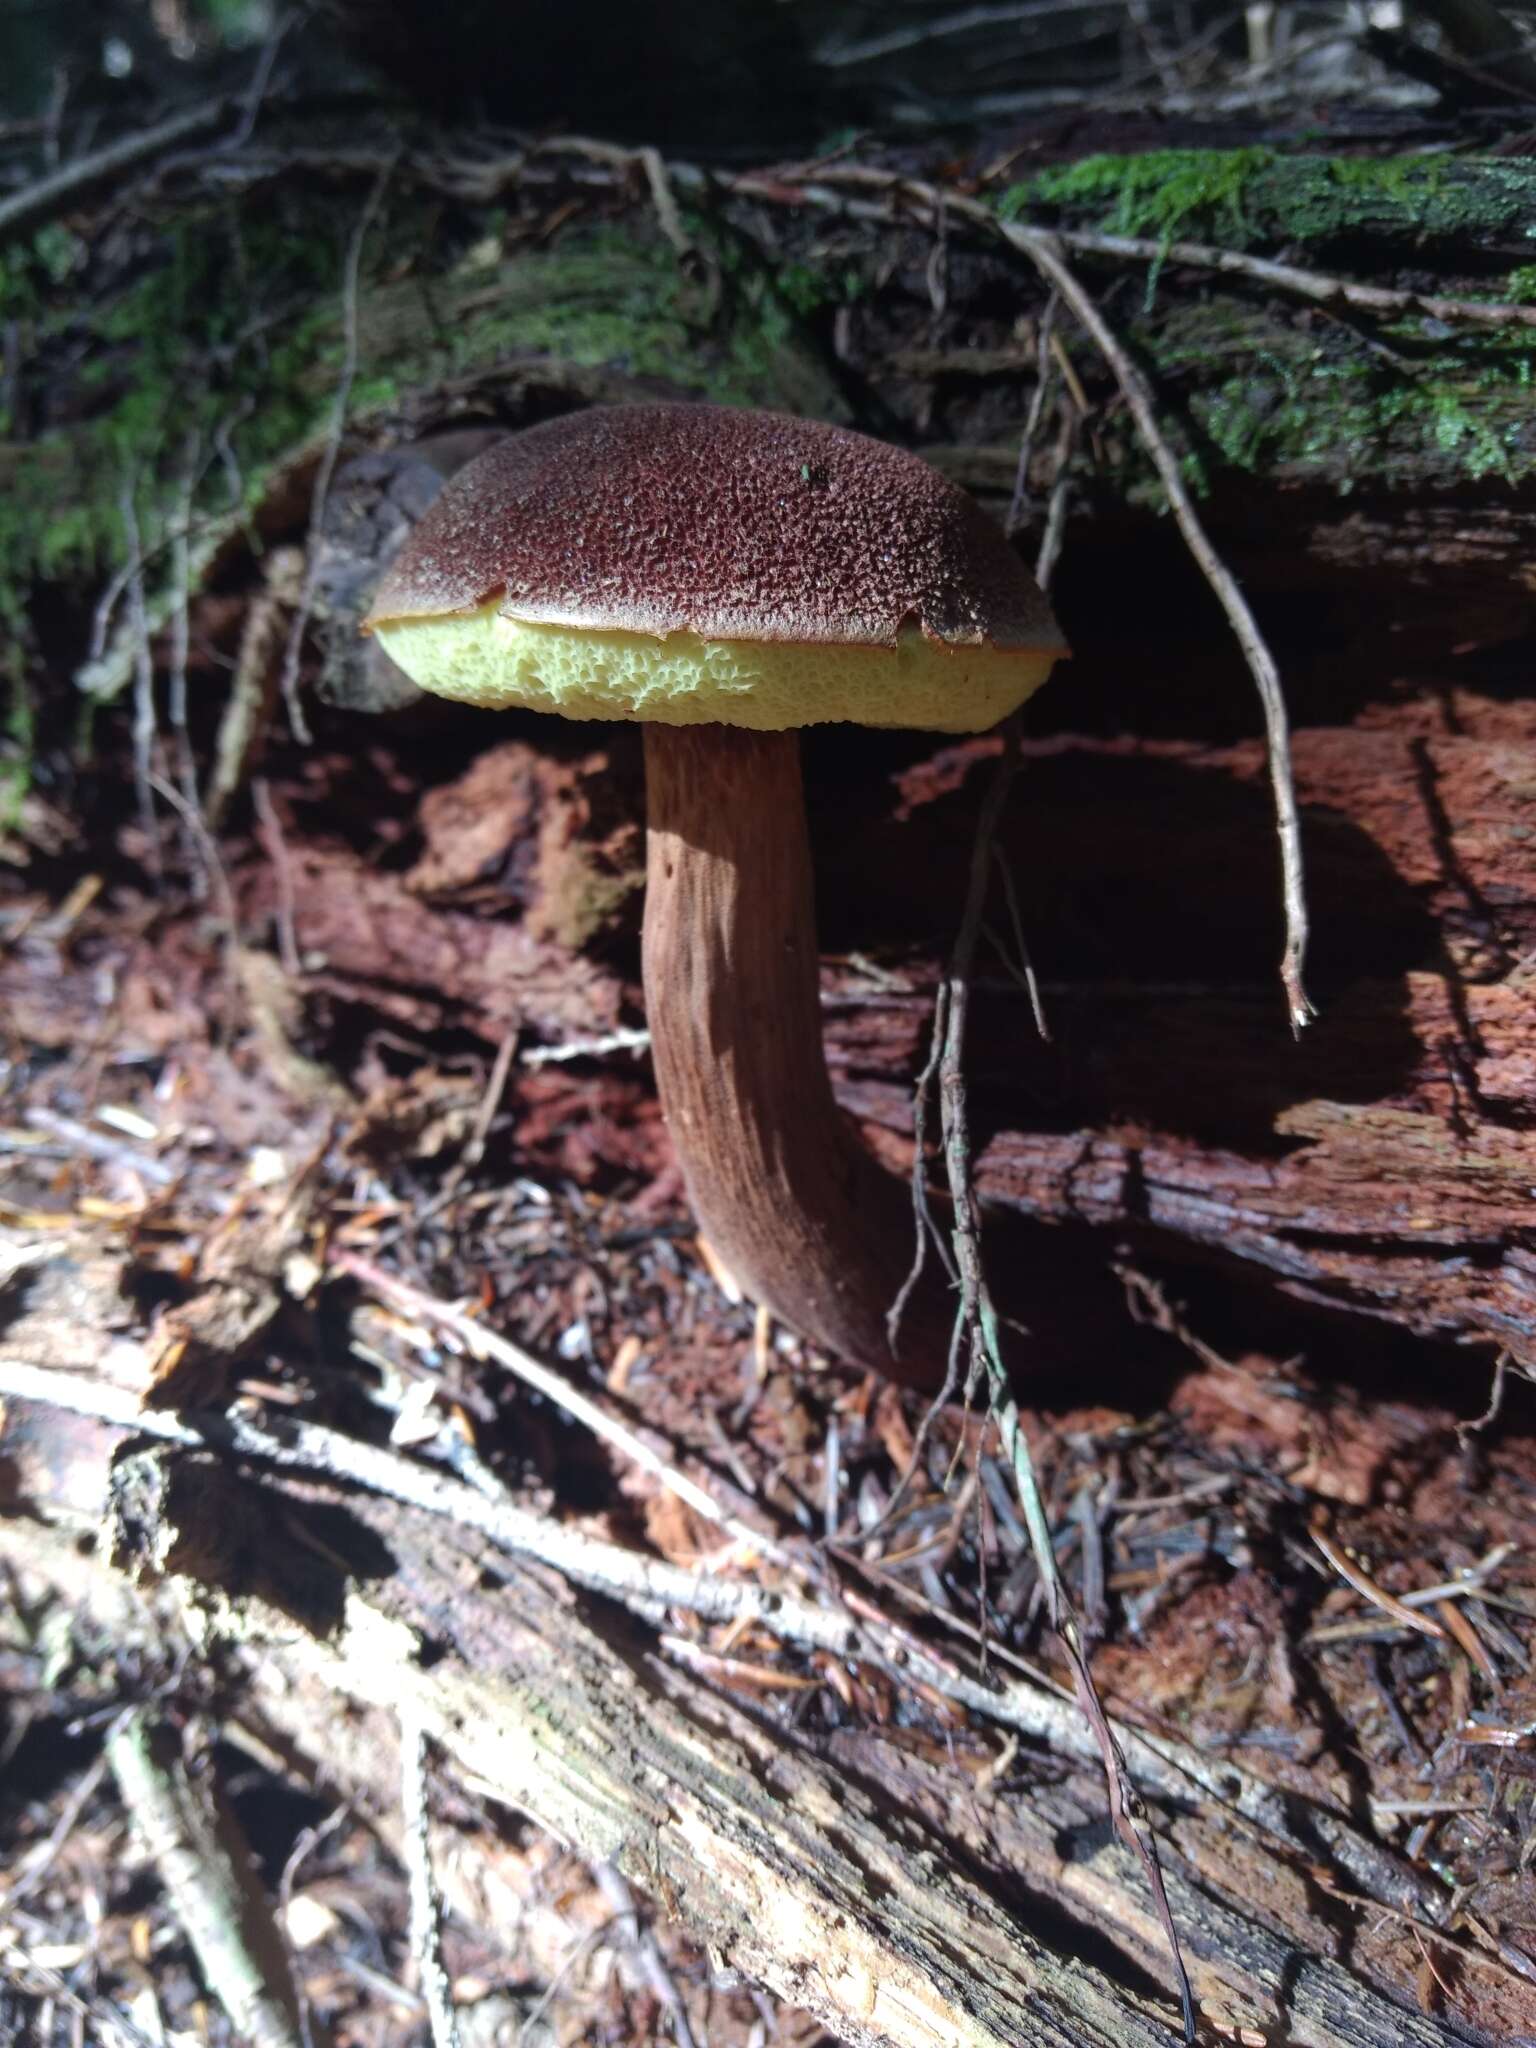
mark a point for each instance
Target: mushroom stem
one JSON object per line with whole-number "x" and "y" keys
{"x": 806, "y": 1221}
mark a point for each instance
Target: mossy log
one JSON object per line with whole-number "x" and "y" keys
{"x": 491, "y": 282}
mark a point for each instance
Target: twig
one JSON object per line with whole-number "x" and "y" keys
{"x": 1045, "y": 252}
{"x": 49, "y": 194}
{"x": 109, "y": 661}
{"x": 490, "y": 1101}
{"x": 1368, "y": 1589}
{"x": 586, "y": 1048}
{"x": 486, "y": 1344}
{"x": 331, "y": 454}
{"x": 143, "y": 684}
{"x": 665, "y": 202}
{"x": 1056, "y": 511}
{"x": 611, "y": 1883}
{"x": 1315, "y": 286}
{"x": 1490, "y": 1415}
{"x": 1045, "y": 372}
{"x": 252, "y": 691}
{"x": 181, "y": 631}
{"x": 39, "y": 1980}
{"x": 425, "y": 1903}
{"x": 1024, "y": 966}
{"x": 261, "y": 78}
{"x": 977, "y": 1334}
{"x": 646, "y": 1583}
{"x": 309, "y": 1839}
{"x": 1459, "y": 1627}
{"x": 97, "y": 1145}
{"x": 270, "y": 831}
{"x": 197, "y": 828}
{"x": 207, "y": 1872}
{"x": 32, "y": 1867}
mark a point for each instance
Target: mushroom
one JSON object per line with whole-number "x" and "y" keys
{"x": 725, "y": 577}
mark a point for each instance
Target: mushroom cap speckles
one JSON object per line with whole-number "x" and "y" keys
{"x": 725, "y": 524}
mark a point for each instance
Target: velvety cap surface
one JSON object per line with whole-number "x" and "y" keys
{"x": 729, "y": 525}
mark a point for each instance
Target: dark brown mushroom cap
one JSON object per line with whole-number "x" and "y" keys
{"x": 731, "y": 525}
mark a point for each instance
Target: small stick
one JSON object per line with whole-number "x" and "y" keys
{"x": 181, "y": 633}
{"x": 646, "y": 1583}
{"x": 425, "y": 1904}
{"x": 332, "y": 453}
{"x": 50, "y": 194}
{"x": 252, "y": 690}
{"x": 490, "y": 1102}
{"x": 31, "y": 1868}
{"x": 486, "y": 1344}
{"x": 261, "y": 78}
{"x": 653, "y": 1963}
{"x": 39, "y": 1981}
{"x": 977, "y": 1334}
{"x": 1045, "y": 371}
{"x": 143, "y": 685}
{"x": 1045, "y": 252}
{"x": 1363, "y": 1584}
{"x": 624, "y": 1040}
{"x": 207, "y": 1872}
{"x": 1315, "y": 286}
{"x": 665, "y": 202}
{"x": 270, "y": 831}
{"x": 97, "y": 1145}
{"x": 1490, "y": 1415}
{"x": 1457, "y": 1624}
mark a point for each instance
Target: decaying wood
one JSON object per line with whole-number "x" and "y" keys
{"x": 800, "y": 1213}
{"x": 839, "y": 1872}
{"x": 1386, "y": 1165}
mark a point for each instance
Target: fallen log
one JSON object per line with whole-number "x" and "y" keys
{"x": 843, "y": 1872}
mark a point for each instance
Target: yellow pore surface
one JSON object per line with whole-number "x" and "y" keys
{"x": 483, "y": 657}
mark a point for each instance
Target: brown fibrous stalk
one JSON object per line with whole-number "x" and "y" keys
{"x": 806, "y": 1221}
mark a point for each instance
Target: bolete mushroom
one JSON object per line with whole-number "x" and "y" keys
{"x": 726, "y": 577}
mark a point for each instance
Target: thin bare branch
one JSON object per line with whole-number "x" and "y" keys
{"x": 483, "y": 1343}
{"x": 351, "y": 269}
{"x": 143, "y": 685}
{"x": 208, "y": 1874}
{"x": 1045, "y": 252}
{"x": 49, "y": 195}
{"x": 1318, "y": 287}
{"x": 425, "y": 1901}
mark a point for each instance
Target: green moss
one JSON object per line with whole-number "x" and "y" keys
{"x": 1300, "y": 405}
{"x": 225, "y": 348}
{"x": 1164, "y": 192}
{"x": 196, "y": 354}
{"x": 1250, "y": 198}
{"x": 19, "y": 729}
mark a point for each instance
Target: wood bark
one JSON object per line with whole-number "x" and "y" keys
{"x": 1385, "y": 1165}
{"x": 841, "y": 1871}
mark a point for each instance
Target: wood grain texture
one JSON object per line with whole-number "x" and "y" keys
{"x": 858, "y": 1874}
